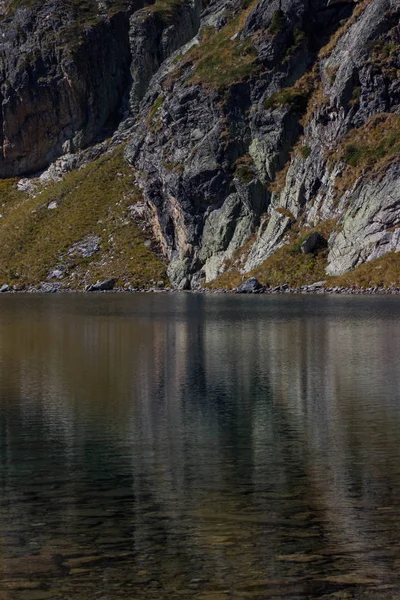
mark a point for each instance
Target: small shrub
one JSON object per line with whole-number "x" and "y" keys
{"x": 299, "y": 36}
{"x": 355, "y": 98}
{"x": 244, "y": 169}
{"x": 294, "y": 98}
{"x": 278, "y": 22}
{"x": 295, "y": 248}
{"x": 305, "y": 151}
{"x": 166, "y": 9}
{"x": 387, "y": 49}
{"x": 157, "y": 104}
{"x": 352, "y": 155}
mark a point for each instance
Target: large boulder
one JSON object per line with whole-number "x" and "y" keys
{"x": 250, "y": 286}
{"x": 314, "y": 242}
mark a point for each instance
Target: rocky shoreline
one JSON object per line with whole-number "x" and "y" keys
{"x": 251, "y": 286}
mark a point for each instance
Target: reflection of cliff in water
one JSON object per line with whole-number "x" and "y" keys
{"x": 233, "y": 438}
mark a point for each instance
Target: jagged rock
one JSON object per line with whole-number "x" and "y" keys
{"x": 369, "y": 225}
{"x": 4, "y": 288}
{"x": 61, "y": 83}
{"x": 184, "y": 284}
{"x": 26, "y": 185}
{"x": 204, "y": 158}
{"x": 153, "y": 38}
{"x": 50, "y": 288}
{"x": 101, "y": 286}
{"x": 250, "y": 286}
{"x": 85, "y": 248}
{"x": 57, "y": 273}
{"x": 205, "y": 147}
{"x": 313, "y": 243}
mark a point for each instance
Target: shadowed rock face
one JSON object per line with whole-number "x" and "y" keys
{"x": 61, "y": 87}
{"x": 67, "y": 74}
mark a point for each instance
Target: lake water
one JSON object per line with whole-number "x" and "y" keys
{"x": 207, "y": 447}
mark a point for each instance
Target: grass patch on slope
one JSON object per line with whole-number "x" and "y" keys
{"x": 376, "y": 141}
{"x": 381, "y": 272}
{"x": 368, "y": 150}
{"x": 222, "y": 59}
{"x": 94, "y": 200}
{"x": 287, "y": 265}
{"x": 166, "y": 9}
{"x": 294, "y": 98}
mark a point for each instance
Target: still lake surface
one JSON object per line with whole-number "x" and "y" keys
{"x": 183, "y": 446}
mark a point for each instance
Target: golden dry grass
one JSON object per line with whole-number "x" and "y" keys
{"x": 382, "y": 272}
{"x": 94, "y": 200}
{"x": 368, "y": 150}
{"x": 287, "y": 265}
{"x": 219, "y": 61}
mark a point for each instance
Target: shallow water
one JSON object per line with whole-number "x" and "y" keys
{"x": 191, "y": 446}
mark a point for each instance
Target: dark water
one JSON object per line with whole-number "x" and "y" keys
{"x": 206, "y": 447}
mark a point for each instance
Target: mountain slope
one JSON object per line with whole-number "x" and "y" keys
{"x": 88, "y": 226}
{"x": 247, "y": 125}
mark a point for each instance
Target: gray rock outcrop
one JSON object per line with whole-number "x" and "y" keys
{"x": 248, "y": 287}
{"x": 244, "y": 121}
{"x": 205, "y": 154}
{"x": 102, "y": 286}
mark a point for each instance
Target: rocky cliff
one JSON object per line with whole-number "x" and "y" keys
{"x": 247, "y": 125}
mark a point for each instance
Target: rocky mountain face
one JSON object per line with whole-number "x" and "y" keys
{"x": 248, "y": 124}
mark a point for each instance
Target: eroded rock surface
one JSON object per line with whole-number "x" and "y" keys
{"x": 206, "y": 152}
{"x": 243, "y": 121}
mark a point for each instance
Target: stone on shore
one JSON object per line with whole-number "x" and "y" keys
{"x": 248, "y": 287}
{"x": 101, "y": 286}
